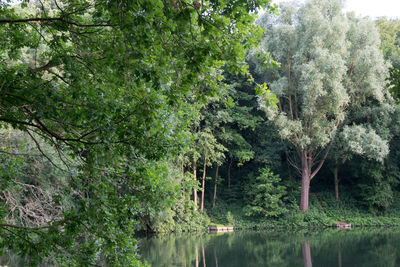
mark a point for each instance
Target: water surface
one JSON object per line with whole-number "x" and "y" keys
{"x": 356, "y": 247}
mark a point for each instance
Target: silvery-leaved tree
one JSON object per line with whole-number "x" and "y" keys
{"x": 329, "y": 64}
{"x": 361, "y": 140}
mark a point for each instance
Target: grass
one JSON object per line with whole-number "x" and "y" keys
{"x": 219, "y": 225}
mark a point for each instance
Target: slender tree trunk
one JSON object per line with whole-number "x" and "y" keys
{"x": 339, "y": 258}
{"x": 183, "y": 179}
{"x": 229, "y": 173}
{"x": 305, "y": 182}
{"x": 305, "y": 247}
{"x": 203, "y": 184}
{"x": 215, "y": 186}
{"x": 335, "y": 174}
{"x": 195, "y": 179}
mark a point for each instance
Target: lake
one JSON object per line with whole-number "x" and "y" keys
{"x": 355, "y": 247}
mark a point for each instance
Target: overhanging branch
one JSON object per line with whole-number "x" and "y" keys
{"x": 60, "y": 19}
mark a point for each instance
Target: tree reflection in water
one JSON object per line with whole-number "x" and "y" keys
{"x": 330, "y": 248}
{"x": 203, "y": 254}
{"x": 216, "y": 258}
{"x": 305, "y": 247}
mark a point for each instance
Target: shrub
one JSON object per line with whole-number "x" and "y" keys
{"x": 265, "y": 195}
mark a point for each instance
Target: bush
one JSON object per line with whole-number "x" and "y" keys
{"x": 265, "y": 195}
{"x": 180, "y": 217}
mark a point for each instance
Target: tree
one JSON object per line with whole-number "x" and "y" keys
{"x": 241, "y": 120}
{"x": 220, "y": 124}
{"x": 265, "y": 195}
{"x": 390, "y": 36}
{"x": 105, "y": 83}
{"x": 389, "y": 30}
{"x": 212, "y": 152}
{"x": 207, "y": 147}
{"x": 356, "y": 140}
{"x": 328, "y": 63}
{"x": 232, "y": 118}
{"x": 215, "y": 117}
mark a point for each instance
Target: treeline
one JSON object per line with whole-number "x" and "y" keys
{"x": 334, "y": 119}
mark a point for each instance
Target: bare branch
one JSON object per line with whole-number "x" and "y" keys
{"x": 320, "y": 164}
{"x": 41, "y": 151}
{"x": 291, "y": 162}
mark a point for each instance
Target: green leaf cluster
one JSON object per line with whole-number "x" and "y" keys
{"x": 265, "y": 195}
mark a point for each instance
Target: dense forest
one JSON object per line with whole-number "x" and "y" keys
{"x": 169, "y": 116}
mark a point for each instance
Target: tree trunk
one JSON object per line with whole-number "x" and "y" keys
{"x": 215, "y": 186}
{"x": 305, "y": 182}
{"x": 335, "y": 174}
{"x": 195, "y": 179}
{"x": 229, "y": 173}
{"x": 203, "y": 184}
{"x": 307, "y": 174}
{"x": 305, "y": 247}
{"x": 305, "y": 189}
{"x": 183, "y": 180}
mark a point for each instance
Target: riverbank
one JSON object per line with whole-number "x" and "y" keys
{"x": 324, "y": 212}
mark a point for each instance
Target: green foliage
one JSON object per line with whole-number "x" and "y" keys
{"x": 242, "y": 119}
{"x": 181, "y": 214}
{"x": 181, "y": 217}
{"x": 394, "y": 81}
{"x": 117, "y": 103}
{"x": 265, "y": 195}
{"x": 330, "y": 65}
{"x": 230, "y": 218}
{"x": 218, "y": 214}
{"x": 375, "y": 186}
{"x": 106, "y": 86}
{"x": 389, "y": 30}
{"x": 359, "y": 140}
{"x": 313, "y": 218}
{"x": 325, "y": 211}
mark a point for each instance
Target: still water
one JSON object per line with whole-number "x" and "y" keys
{"x": 356, "y": 247}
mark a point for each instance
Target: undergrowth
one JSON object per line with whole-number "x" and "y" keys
{"x": 324, "y": 212}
